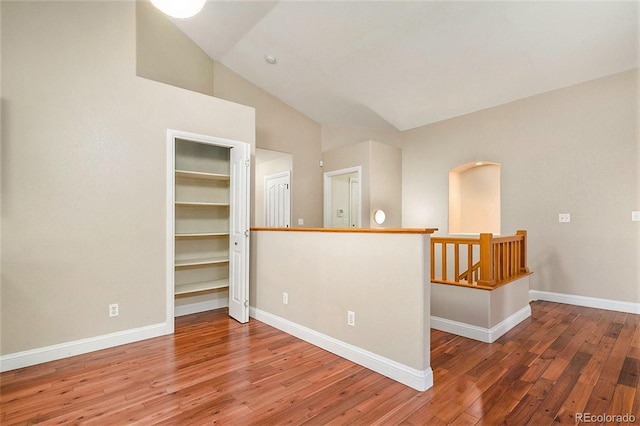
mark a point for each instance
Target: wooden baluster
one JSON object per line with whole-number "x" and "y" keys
{"x": 472, "y": 276}
{"x": 433, "y": 260}
{"x": 517, "y": 254}
{"x": 497, "y": 255}
{"x": 507, "y": 261}
{"x": 512, "y": 259}
{"x": 456, "y": 262}
{"x": 444, "y": 261}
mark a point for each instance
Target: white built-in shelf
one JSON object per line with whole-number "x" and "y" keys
{"x": 182, "y": 289}
{"x": 200, "y": 205}
{"x": 186, "y": 174}
{"x": 194, "y": 263}
{"x": 198, "y": 235}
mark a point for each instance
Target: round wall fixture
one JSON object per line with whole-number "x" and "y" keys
{"x": 270, "y": 59}
{"x": 179, "y": 8}
{"x": 379, "y": 217}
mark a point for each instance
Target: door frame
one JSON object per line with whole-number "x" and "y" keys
{"x": 244, "y": 216}
{"x": 358, "y": 208}
{"x": 287, "y": 174}
{"x": 327, "y": 209}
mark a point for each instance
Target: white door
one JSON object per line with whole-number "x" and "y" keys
{"x": 239, "y": 234}
{"x": 277, "y": 200}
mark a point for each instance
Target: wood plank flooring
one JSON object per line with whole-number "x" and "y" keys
{"x": 562, "y": 361}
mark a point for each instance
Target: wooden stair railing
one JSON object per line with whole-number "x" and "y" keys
{"x": 501, "y": 259}
{"x": 471, "y": 276}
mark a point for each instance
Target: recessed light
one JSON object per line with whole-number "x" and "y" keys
{"x": 270, "y": 59}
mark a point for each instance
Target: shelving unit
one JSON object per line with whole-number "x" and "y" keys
{"x": 201, "y": 205}
{"x": 207, "y": 240}
{"x": 201, "y": 287}
{"x": 196, "y": 263}
{"x": 201, "y": 235}
{"x": 202, "y": 208}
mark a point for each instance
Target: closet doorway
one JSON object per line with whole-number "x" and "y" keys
{"x": 207, "y": 224}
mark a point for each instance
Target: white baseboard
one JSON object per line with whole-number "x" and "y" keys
{"x": 194, "y": 308}
{"x": 487, "y": 335}
{"x": 83, "y": 346}
{"x": 589, "y": 302}
{"x": 416, "y": 379}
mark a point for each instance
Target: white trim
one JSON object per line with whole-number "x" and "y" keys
{"x": 194, "y": 308}
{"x": 486, "y": 335}
{"x": 171, "y": 232}
{"x": 589, "y": 302}
{"x": 83, "y": 346}
{"x": 416, "y": 379}
{"x": 326, "y": 208}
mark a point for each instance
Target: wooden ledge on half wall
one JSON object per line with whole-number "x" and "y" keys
{"x": 355, "y": 230}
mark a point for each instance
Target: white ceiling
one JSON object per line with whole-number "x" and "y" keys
{"x": 384, "y": 64}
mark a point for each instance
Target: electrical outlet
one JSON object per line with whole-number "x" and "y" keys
{"x": 564, "y": 217}
{"x": 285, "y": 297}
{"x": 351, "y": 318}
{"x": 300, "y": 221}
{"x": 635, "y": 216}
{"x": 114, "y": 310}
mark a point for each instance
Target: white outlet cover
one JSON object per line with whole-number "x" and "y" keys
{"x": 564, "y": 217}
{"x": 635, "y": 216}
{"x": 114, "y": 310}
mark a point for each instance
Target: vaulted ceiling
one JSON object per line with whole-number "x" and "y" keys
{"x": 404, "y": 64}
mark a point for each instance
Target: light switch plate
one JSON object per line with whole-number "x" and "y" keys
{"x": 635, "y": 216}
{"x": 564, "y": 217}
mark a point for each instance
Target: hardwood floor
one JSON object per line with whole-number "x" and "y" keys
{"x": 562, "y": 361}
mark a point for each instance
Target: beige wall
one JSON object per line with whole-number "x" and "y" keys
{"x": 335, "y": 137}
{"x": 347, "y": 157}
{"x": 384, "y": 281}
{"x": 281, "y": 128}
{"x": 166, "y": 54}
{"x": 574, "y": 150}
{"x": 84, "y": 172}
{"x": 381, "y": 178}
{"x": 477, "y": 307}
{"x": 385, "y": 183}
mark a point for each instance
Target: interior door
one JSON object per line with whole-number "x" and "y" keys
{"x": 239, "y": 234}
{"x": 277, "y": 200}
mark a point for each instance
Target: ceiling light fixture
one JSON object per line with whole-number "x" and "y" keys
{"x": 270, "y": 59}
{"x": 179, "y": 8}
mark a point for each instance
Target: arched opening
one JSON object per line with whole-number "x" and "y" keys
{"x": 474, "y": 198}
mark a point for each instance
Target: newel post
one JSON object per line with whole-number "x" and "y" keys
{"x": 486, "y": 260}
{"x": 523, "y": 251}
